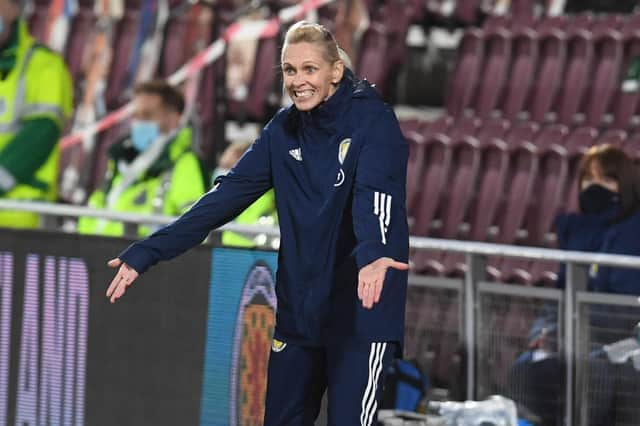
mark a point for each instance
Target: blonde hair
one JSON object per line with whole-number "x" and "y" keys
{"x": 309, "y": 32}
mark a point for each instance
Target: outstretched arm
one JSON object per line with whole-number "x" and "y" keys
{"x": 247, "y": 181}
{"x": 378, "y": 206}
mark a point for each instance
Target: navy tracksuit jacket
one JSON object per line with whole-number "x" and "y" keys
{"x": 339, "y": 175}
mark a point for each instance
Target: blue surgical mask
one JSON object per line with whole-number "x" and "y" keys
{"x": 143, "y": 133}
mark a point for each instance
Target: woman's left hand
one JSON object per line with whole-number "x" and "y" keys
{"x": 371, "y": 279}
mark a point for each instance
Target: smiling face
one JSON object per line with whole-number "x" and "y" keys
{"x": 308, "y": 77}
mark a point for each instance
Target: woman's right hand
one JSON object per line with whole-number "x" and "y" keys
{"x": 124, "y": 278}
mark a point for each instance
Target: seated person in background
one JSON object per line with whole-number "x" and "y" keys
{"x": 262, "y": 211}
{"x": 608, "y": 222}
{"x": 35, "y": 103}
{"x": 609, "y": 218}
{"x": 535, "y": 379}
{"x": 154, "y": 171}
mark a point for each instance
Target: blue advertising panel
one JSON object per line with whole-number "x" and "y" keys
{"x": 242, "y": 304}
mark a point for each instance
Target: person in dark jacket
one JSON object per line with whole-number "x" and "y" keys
{"x": 337, "y": 161}
{"x": 609, "y": 217}
{"x": 614, "y": 184}
{"x": 608, "y": 222}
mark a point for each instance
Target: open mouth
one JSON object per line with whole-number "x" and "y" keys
{"x": 303, "y": 94}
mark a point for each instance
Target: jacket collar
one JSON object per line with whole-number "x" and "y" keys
{"x": 326, "y": 116}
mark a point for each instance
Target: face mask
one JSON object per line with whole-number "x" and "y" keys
{"x": 143, "y": 133}
{"x": 219, "y": 171}
{"x": 597, "y": 199}
{"x": 1, "y": 24}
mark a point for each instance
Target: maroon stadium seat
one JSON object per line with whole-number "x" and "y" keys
{"x": 605, "y": 22}
{"x": 439, "y": 125}
{"x": 496, "y": 167}
{"x": 625, "y": 102}
{"x": 372, "y": 62}
{"x": 549, "y": 73}
{"x": 464, "y": 172}
{"x": 545, "y": 201}
{"x": 464, "y": 126}
{"x": 521, "y": 178}
{"x": 493, "y": 128}
{"x": 467, "y": 11}
{"x": 525, "y": 58}
{"x": 492, "y": 22}
{"x": 615, "y": 137}
{"x": 79, "y": 31}
{"x": 525, "y": 131}
{"x": 545, "y": 205}
{"x": 547, "y": 23}
{"x": 555, "y": 134}
{"x": 582, "y": 21}
{"x": 437, "y": 162}
{"x": 606, "y": 75}
{"x": 580, "y": 57}
{"x": 464, "y": 79}
{"x": 454, "y": 203}
{"x": 632, "y": 146}
{"x": 483, "y": 198}
{"x": 493, "y": 199}
{"x": 37, "y": 21}
{"x": 580, "y": 139}
{"x": 494, "y": 73}
{"x": 549, "y": 193}
{"x": 397, "y": 17}
{"x": 173, "y": 52}
{"x": 436, "y": 155}
{"x": 123, "y": 45}
{"x": 412, "y": 131}
{"x": 522, "y": 12}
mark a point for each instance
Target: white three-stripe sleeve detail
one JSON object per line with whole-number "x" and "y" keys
{"x": 376, "y": 203}
{"x": 382, "y": 209}
{"x": 387, "y": 217}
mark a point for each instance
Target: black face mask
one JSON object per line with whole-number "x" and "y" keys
{"x": 597, "y": 199}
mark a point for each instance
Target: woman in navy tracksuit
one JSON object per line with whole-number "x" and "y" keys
{"x": 337, "y": 161}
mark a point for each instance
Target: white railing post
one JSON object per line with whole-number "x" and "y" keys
{"x": 476, "y": 272}
{"x": 577, "y": 275}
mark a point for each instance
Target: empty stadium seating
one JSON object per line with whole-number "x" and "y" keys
{"x": 527, "y": 95}
{"x": 565, "y": 75}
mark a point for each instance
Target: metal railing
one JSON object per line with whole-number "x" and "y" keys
{"x": 131, "y": 220}
{"x": 476, "y": 253}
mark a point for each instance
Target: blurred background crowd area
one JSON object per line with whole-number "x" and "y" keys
{"x": 545, "y": 79}
{"x": 407, "y": 48}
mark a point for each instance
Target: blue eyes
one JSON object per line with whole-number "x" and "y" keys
{"x": 307, "y": 70}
